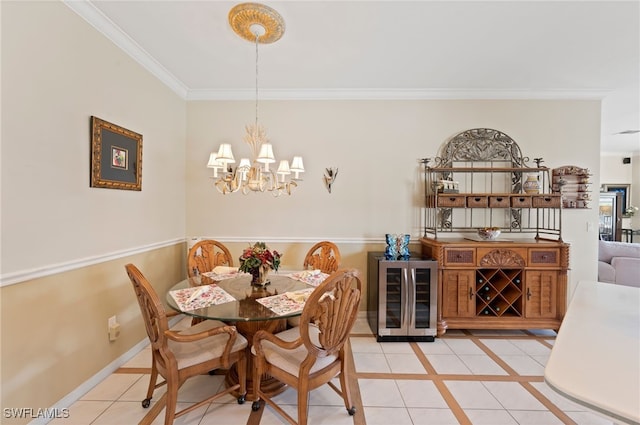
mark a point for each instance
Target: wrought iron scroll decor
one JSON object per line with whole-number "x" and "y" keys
{"x": 481, "y": 145}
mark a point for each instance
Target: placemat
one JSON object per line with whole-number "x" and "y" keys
{"x": 223, "y": 272}
{"x": 310, "y": 277}
{"x": 287, "y": 303}
{"x": 200, "y": 297}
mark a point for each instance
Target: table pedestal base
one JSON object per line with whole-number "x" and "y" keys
{"x": 269, "y": 385}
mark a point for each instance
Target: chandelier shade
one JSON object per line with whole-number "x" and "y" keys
{"x": 259, "y": 24}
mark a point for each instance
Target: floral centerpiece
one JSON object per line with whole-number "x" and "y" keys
{"x": 257, "y": 260}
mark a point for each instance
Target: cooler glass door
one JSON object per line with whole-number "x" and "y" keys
{"x": 393, "y": 299}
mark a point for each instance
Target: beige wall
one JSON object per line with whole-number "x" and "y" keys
{"x": 54, "y": 329}
{"x": 376, "y": 145}
{"x": 57, "y": 71}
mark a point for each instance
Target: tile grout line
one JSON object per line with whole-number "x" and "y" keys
{"x": 493, "y": 356}
{"x": 555, "y": 410}
{"x": 359, "y": 417}
{"x": 442, "y": 388}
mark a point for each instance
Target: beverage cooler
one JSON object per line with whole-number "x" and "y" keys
{"x": 610, "y": 216}
{"x": 402, "y": 298}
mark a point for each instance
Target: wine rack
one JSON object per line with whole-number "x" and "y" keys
{"x": 499, "y": 292}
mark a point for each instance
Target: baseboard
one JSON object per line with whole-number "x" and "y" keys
{"x": 103, "y": 374}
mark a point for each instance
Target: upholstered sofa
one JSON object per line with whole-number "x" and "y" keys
{"x": 619, "y": 262}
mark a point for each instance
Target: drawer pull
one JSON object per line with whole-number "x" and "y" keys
{"x": 470, "y": 294}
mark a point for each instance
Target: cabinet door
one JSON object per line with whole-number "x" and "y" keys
{"x": 458, "y": 298}
{"x": 540, "y": 293}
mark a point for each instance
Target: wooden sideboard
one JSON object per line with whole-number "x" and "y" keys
{"x": 509, "y": 284}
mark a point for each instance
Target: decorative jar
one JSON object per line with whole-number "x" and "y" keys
{"x": 531, "y": 185}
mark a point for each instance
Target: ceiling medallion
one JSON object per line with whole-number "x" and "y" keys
{"x": 244, "y": 15}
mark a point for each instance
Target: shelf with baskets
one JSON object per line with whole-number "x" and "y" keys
{"x": 481, "y": 179}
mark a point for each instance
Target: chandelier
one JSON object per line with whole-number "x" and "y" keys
{"x": 259, "y": 24}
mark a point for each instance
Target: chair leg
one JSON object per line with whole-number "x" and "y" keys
{"x": 257, "y": 378}
{"x": 303, "y": 403}
{"x": 241, "y": 367}
{"x": 172, "y": 400}
{"x": 152, "y": 384}
{"x": 346, "y": 390}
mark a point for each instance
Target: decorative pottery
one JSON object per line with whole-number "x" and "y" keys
{"x": 397, "y": 246}
{"x": 391, "y": 252}
{"x": 403, "y": 247}
{"x": 259, "y": 275}
{"x": 531, "y": 184}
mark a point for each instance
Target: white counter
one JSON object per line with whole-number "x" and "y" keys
{"x": 595, "y": 360}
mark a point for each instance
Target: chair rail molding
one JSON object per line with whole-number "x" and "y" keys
{"x": 7, "y": 279}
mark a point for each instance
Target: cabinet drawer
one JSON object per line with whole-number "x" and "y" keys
{"x": 545, "y": 201}
{"x": 521, "y": 201}
{"x": 459, "y": 257}
{"x": 540, "y": 257}
{"x": 457, "y": 201}
{"x": 499, "y": 201}
{"x": 477, "y": 202}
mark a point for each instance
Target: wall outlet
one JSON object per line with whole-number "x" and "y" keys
{"x": 114, "y": 332}
{"x": 113, "y": 327}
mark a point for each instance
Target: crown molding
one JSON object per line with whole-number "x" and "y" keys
{"x": 397, "y": 94}
{"x": 97, "y": 19}
{"x": 109, "y": 29}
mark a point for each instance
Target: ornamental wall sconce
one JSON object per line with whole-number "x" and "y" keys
{"x": 330, "y": 175}
{"x": 259, "y": 24}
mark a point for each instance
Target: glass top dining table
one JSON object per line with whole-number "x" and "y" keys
{"x": 245, "y": 306}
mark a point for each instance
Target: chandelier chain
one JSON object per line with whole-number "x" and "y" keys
{"x": 257, "y": 37}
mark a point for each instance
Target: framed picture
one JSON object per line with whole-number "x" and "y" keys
{"x": 619, "y": 188}
{"x": 116, "y": 156}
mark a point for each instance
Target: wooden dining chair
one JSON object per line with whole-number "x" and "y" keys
{"x": 180, "y": 355}
{"x": 205, "y": 255}
{"x": 323, "y": 256}
{"x": 312, "y": 354}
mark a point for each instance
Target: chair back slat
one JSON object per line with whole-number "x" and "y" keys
{"x": 153, "y": 315}
{"x": 323, "y": 256}
{"x": 333, "y": 308}
{"x": 206, "y": 255}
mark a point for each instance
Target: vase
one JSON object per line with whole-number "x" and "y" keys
{"x": 391, "y": 251}
{"x": 403, "y": 247}
{"x": 259, "y": 276}
{"x": 531, "y": 185}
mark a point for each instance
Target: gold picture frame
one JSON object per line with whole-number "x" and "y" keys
{"x": 116, "y": 156}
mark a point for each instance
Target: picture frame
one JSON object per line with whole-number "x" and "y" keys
{"x": 116, "y": 156}
{"x": 619, "y": 188}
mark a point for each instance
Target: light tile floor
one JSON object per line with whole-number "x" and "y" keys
{"x": 465, "y": 377}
